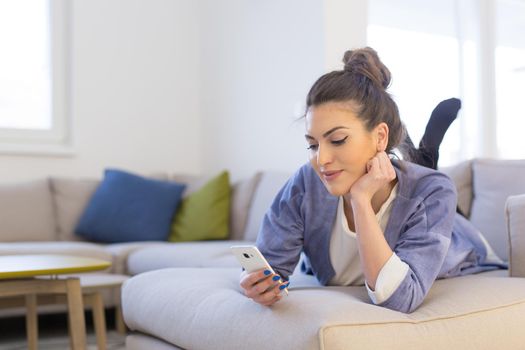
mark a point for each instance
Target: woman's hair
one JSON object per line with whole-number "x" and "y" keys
{"x": 363, "y": 83}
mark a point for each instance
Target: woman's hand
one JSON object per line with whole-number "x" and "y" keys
{"x": 379, "y": 172}
{"x": 262, "y": 286}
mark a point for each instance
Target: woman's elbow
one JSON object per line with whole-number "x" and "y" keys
{"x": 403, "y": 302}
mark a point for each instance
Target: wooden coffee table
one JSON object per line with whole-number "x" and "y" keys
{"x": 19, "y": 276}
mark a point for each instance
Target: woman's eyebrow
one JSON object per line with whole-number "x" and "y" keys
{"x": 326, "y": 133}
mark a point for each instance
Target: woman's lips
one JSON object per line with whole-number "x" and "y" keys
{"x": 331, "y": 175}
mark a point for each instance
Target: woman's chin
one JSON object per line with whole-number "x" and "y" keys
{"x": 336, "y": 190}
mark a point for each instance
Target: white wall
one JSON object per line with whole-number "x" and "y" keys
{"x": 135, "y": 91}
{"x": 195, "y": 86}
{"x": 259, "y": 59}
{"x": 344, "y": 27}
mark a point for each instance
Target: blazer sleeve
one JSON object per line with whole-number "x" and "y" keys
{"x": 281, "y": 234}
{"x": 424, "y": 242}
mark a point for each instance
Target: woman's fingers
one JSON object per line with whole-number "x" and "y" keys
{"x": 273, "y": 300}
{"x": 382, "y": 167}
{"x": 373, "y": 165}
{"x": 262, "y": 287}
{"x": 269, "y": 296}
{"x": 386, "y": 166}
{"x": 379, "y": 172}
{"x": 249, "y": 279}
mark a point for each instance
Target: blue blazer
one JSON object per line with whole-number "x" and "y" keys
{"x": 424, "y": 230}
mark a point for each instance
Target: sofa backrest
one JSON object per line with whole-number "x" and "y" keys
{"x": 241, "y": 198}
{"x": 493, "y": 181}
{"x": 483, "y": 187}
{"x": 71, "y": 196}
{"x": 269, "y": 185}
{"x": 461, "y": 174}
{"x": 243, "y": 193}
{"x": 26, "y": 212}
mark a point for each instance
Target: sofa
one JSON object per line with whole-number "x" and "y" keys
{"x": 186, "y": 295}
{"x": 189, "y": 297}
{"x": 40, "y": 216}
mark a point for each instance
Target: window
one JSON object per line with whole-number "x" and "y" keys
{"x": 510, "y": 77}
{"x": 420, "y": 79}
{"x": 34, "y": 114}
{"x": 415, "y": 39}
{"x": 456, "y": 48}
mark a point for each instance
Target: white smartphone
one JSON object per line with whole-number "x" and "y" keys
{"x": 251, "y": 259}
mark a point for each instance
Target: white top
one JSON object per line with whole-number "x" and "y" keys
{"x": 344, "y": 256}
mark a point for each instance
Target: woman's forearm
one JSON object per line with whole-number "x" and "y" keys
{"x": 374, "y": 250}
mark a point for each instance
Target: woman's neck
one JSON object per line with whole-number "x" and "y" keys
{"x": 382, "y": 195}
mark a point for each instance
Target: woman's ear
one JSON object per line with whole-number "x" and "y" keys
{"x": 381, "y": 131}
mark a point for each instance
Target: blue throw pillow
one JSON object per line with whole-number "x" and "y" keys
{"x": 127, "y": 207}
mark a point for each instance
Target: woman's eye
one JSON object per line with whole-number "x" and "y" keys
{"x": 339, "y": 142}
{"x": 312, "y": 147}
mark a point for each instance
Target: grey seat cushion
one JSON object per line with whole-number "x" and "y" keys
{"x": 121, "y": 251}
{"x": 142, "y": 341}
{"x": 204, "y": 309}
{"x": 184, "y": 254}
{"x": 493, "y": 182}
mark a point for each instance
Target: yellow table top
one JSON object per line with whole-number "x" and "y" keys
{"x": 19, "y": 266}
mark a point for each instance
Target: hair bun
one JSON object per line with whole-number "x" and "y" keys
{"x": 366, "y": 62}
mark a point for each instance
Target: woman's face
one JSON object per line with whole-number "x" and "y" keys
{"x": 339, "y": 145}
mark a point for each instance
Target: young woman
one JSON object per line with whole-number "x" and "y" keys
{"x": 359, "y": 215}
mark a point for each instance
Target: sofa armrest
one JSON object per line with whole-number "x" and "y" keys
{"x": 515, "y": 217}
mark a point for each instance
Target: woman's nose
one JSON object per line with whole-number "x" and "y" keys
{"x": 324, "y": 156}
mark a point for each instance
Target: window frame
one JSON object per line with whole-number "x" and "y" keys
{"x": 58, "y": 139}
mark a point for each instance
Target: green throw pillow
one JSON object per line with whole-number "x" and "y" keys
{"x": 204, "y": 214}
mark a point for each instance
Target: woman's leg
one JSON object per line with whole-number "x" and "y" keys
{"x": 428, "y": 152}
{"x": 442, "y": 116}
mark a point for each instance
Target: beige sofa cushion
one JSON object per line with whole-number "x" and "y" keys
{"x": 204, "y": 309}
{"x": 461, "y": 174}
{"x": 26, "y": 212}
{"x": 71, "y": 197}
{"x": 242, "y": 196}
{"x": 269, "y": 185}
{"x": 493, "y": 182}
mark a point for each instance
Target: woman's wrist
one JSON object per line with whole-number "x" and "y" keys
{"x": 360, "y": 200}
{"x": 360, "y": 205}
